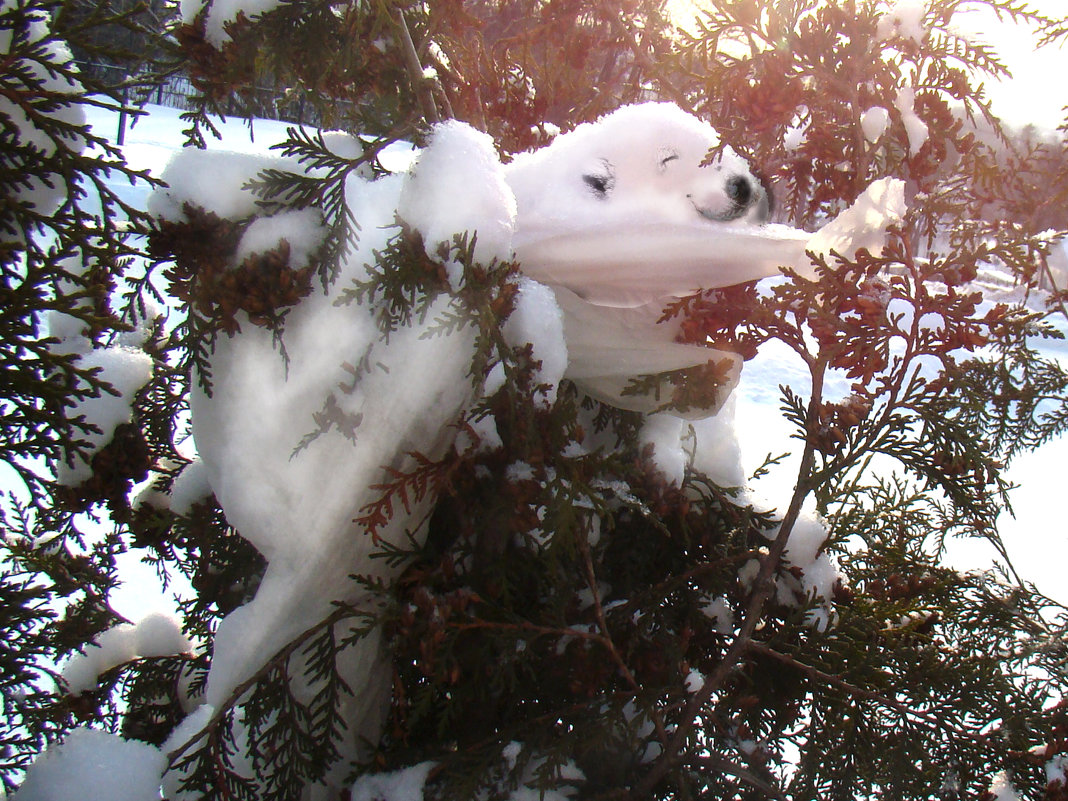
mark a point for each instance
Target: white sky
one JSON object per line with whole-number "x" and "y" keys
{"x": 1038, "y": 91}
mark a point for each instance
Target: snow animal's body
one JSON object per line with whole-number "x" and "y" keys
{"x": 614, "y": 216}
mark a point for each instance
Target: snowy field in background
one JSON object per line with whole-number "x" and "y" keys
{"x": 1035, "y": 539}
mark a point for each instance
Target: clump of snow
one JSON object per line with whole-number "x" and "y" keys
{"x": 694, "y": 681}
{"x": 221, "y": 12}
{"x": 479, "y": 434}
{"x": 215, "y": 180}
{"x": 192, "y": 486}
{"x": 160, "y": 635}
{"x": 154, "y": 635}
{"x": 717, "y": 453}
{"x": 69, "y": 332}
{"x": 518, "y": 471}
{"x": 403, "y": 785}
{"x": 720, "y": 611}
{"x": 864, "y": 224}
{"x": 904, "y": 20}
{"x": 1002, "y": 789}
{"x": 873, "y": 122}
{"x": 664, "y": 433}
{"x": 1057, "y": 770}
{"x": 915, "y": 128}
{"x": 92, "y": 765}
{"x": 456, "y": 185}
{"x": 184, "y": 733}
{"x": 537, "y": 319}
{"x": 126, "y": 370}
{"x": 302, "y": 230}
{"x": 803, "y": 550}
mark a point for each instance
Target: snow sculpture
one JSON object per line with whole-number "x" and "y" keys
{"x": 613, "y": 217}
{"x": 621, "y": 215}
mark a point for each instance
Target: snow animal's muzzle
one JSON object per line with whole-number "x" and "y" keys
{"x": 744, "y": 194}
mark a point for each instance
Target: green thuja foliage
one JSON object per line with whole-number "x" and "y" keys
{"x": 66, "y": 236}
{"x": 565, "y": 621}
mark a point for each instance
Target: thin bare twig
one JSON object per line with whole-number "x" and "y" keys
{"x": 415, "y": 72}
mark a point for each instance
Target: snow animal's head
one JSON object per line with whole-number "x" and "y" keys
{"x": 643, "y": 163}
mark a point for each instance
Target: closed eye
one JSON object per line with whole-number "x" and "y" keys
{"x": 666, "y": 158}
{"x": 601, "y": 182}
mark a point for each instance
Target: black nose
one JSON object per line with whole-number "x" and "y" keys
{"x": 740, "y": 191}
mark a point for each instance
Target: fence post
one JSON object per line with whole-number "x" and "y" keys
{"x": 121, "y": 138}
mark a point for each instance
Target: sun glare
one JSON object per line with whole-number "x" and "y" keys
{"x": 1035, "y": 95}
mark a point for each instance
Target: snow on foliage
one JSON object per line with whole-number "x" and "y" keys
{"x": 214, "y": 180}
{"x": 92, "y": 765}
{"x": 37, "y": 187}
{"x": 873, "y": 122}
{"x": 191, "y": 487}
{"x": 457, "y": 185}
{"x": 915, "y": 128}
{"x": 153, "y": 635}
{"x": 904, "y": 20}
{"x": 1001, "y": 788}
{"x": 302, "y": 230}
{"x": 221, "y": 12}
{"x": 402, "y": 785}
{"x": 293, "y": 489}
{"x": 607, "y": 222}
{"x": 537, "y": 319}
{"x": 126, "y": 370}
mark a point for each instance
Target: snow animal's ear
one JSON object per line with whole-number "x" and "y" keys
{"x": 601, "y": 180}
{"x": 456, "y": 185}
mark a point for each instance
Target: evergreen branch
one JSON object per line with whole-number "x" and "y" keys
{"x": 280, "y": 657}
{"x": 720, "y": 764}
{"x": 869, "y": 695}
{"x": 409, "y": 487}
{"x": 606, "y": 640}
{"x": 763, "y": 587}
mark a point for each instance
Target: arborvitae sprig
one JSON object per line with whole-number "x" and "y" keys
{"x": 66, "y": 237}
{"x": 818, "y": 67}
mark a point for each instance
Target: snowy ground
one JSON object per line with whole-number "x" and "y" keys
{"x": 1036, "y": 538}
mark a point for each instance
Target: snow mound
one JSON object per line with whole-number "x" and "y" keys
{"x": 91, "y": 765}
